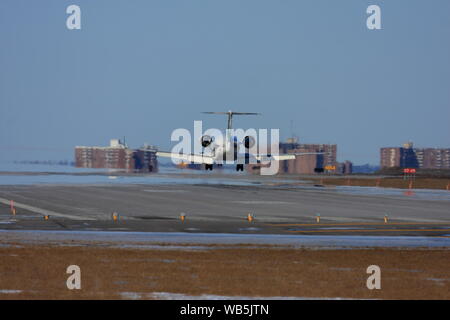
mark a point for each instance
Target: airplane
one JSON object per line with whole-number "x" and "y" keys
{"x": 223, "y": 151}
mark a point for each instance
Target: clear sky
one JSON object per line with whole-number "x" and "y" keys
{"x": 141, "y": 69}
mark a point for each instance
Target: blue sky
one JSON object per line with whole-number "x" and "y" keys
{"x": 141, "y": 69}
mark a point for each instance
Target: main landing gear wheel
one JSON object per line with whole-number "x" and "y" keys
{"x": 239, "y": 167}
{"x": 208, "y": 167}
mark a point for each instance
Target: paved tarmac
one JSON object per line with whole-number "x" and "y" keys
{"x": 223, "y": 208}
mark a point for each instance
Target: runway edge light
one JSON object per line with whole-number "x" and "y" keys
{"x": 182, "y": 216}
{"x": 318, "y": 217}
{"x": 250, "y": 217}
{"x": 386, "y": 218}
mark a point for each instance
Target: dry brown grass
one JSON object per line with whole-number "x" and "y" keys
{"x": 418, "y": 183}
{"x": 406, "y": 274}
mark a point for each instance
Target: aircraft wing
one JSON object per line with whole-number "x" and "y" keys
{"x": 280, "y": 157}
{"x": 191, "y": 158}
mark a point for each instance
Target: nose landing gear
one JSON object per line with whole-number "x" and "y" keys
{"x": 208, "y": 167}
{"x": 239, "y": 167}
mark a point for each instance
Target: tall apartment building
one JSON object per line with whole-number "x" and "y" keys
{"x": 309, "y": 163}
{"x": 117, "y": 156}
{"x": 436, "y": 158}
{"x": 410, "y": 157}
{"x": 345, "y": 167}
{"x": 390, "y": 157}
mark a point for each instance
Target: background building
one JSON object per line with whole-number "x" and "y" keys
{"x": 117, "y": 156}
{"x": 306, "y": 164}
{"x": 345, "y": 167}
{"x": 410, "y": 157}
{"x": 309, "y": 163}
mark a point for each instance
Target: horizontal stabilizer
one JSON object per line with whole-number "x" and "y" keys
{"x": 230, "y": 115}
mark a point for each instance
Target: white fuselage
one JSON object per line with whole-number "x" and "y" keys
{"x": 223, "y": 150}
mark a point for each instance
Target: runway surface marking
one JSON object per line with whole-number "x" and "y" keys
{"x": 43, "y": 211}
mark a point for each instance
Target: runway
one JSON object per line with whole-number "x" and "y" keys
{"x": 222, "y": 208}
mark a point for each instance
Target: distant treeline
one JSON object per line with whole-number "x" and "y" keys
{"x": 47, "y": 162}
{"x": 365, "y": 168}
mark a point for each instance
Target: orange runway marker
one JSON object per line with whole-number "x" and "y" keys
{"x": 378, "y": 182}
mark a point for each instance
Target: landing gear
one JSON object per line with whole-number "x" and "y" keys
{"x": 208, "y": 167}
{"x": 239, "y": 167}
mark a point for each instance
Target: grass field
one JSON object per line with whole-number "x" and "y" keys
{"x": 39, "y": 272}
{"x": 417, "y": 183}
